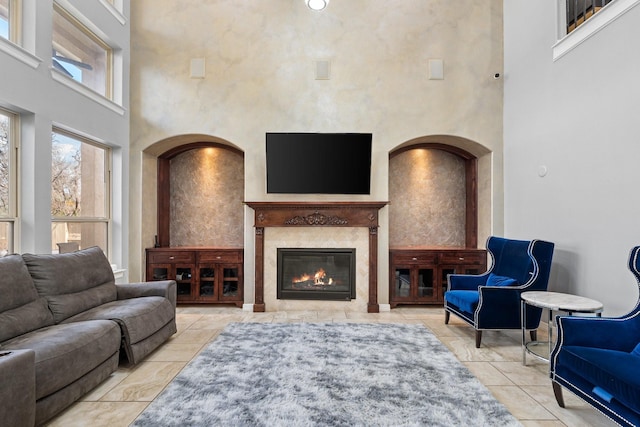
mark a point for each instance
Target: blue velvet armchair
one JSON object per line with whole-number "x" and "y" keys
{"x": 491, "y": 301}
{"x": 598, "y": 359}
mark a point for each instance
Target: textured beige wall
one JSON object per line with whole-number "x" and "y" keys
{"x": 427, "y": 198}
{"x": 260, "y": 78}
{"x": 206, "y": 193}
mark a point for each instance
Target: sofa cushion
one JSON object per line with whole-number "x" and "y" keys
{"x": 464, "y": 300}
{"x": 616, "y": 372}
{"x": 72, "y": 282}
{"x": 65, "y": 353}
{"x": 496, "y": 280}
{"x": 139, "y": 318}
{"x": 22, "y": 310}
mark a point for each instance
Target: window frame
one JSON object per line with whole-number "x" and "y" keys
{"x": 109, "y": 50}
{"x": 115, "y": 7}
{"x": 587, "y": 13}
{"x": 107, "y": 219}
{"x": 15, "y": 20}
{"x": 11, "y": 216}
{"x": 604, "y": 17}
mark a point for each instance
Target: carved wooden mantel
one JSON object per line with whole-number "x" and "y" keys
{"x": 317, "y": 214}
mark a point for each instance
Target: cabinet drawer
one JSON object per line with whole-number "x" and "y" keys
{"x": 463, "y": 257}
{"x": 220, "y": 256}
{"x": 413, "y": 258}
{"x": 172, "y": 257}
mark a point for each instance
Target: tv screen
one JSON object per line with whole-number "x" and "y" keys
{"x": 319, "y": 163}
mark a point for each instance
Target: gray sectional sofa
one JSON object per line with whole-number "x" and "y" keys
{"x": 65, "y": 325}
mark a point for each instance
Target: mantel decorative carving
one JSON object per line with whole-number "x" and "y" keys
{"x": 317, "y": 214}
{"x": 306, "y": 214}
{"x": 316, "y": 218}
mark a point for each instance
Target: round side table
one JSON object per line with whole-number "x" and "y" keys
{"x": 552, "y": 301}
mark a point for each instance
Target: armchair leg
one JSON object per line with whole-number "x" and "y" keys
{"x": 478, "y": 338}
{"x": 534, "y": 335}
{"x": 557, "y": 392}
{"x": 446, "y": 317}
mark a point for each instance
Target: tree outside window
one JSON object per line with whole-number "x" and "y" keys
{"x": 79, "y": 192}
{"x": 7, "y": 182}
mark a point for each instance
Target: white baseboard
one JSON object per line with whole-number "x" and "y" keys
{"x": 384, "y": 307}
{"x": 247, "y": 307}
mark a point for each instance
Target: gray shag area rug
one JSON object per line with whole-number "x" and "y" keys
{"x": 325, "y": 374}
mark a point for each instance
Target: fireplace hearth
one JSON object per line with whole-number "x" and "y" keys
{"x": 316, "y": 274}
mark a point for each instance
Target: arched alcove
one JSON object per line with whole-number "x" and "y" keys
{"x": 433, "y": 192}
{"x": 200, "y": 195}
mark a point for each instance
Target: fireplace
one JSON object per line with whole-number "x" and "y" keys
{"x": 316, "y": 274}
{"x": 316, "y": 216}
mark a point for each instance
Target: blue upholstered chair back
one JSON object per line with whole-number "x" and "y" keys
{"x": 634, "y": 267}
{"x": 596, "y": 355}
{"x": 479, "y": 301}
{"x": 529, "y": 262}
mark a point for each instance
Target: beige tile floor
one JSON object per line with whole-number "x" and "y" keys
{"x": 525, "y": 390}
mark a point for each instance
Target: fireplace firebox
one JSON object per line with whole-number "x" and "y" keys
{"x": 316, "y": 274}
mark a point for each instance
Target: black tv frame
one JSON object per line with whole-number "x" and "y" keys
{"x": 318, "y": 163}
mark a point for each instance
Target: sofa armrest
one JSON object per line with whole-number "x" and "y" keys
{"x": 608, "y": 333}
{"x": 465, "y": 282}
{"x": 160, "y": 288}
{"x": 18, "y": 391}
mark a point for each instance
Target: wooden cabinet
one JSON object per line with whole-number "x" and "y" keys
{"x": 203, "y": 275}
{"x": 413, "y": 277}
{"x": 419, "y": 275}
{"x": 219, "y": 274}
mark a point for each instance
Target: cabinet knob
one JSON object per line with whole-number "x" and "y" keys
{"x": 461, "y": 258}
{"x": 218, "y": 257}
{"x": 172, "y": 257}
{"x": 414, "y": 258}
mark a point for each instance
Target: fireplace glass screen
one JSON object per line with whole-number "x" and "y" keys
{"x": 318, "y": 274}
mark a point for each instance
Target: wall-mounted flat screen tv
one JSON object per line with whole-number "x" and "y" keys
{"x": 319, "y": 163}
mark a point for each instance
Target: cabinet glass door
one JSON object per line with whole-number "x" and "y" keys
{"x": 402, "y": 283}
{"x": 183, "y": 279}
{"x": 160, "y": 272}
{"x": 207, "y": 281}
{"x": 425, "y": 283}
{"x": 229, "y": 282}
{"x": 443, "y": 279}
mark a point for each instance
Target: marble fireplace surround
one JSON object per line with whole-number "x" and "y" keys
{"x": 316, "y": 214}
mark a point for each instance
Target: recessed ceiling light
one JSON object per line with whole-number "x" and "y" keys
{"x": 317, "y": 4}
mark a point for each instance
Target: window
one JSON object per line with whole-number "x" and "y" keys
{"x": 8, "y": 205}
{"x": 80, "y": 191}
{"x": 578, "y": 20}
{"x": 4, "y": 18}
{"x": 9, "y": 16}
{"x": 578, "y": 11}
{"x": 115, "y": 8}
{"x": 79, "y": 54}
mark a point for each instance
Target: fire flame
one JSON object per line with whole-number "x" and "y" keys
{"x": 318, "y": 278}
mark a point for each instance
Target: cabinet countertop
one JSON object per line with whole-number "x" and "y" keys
{"x": 197, "y": 248}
